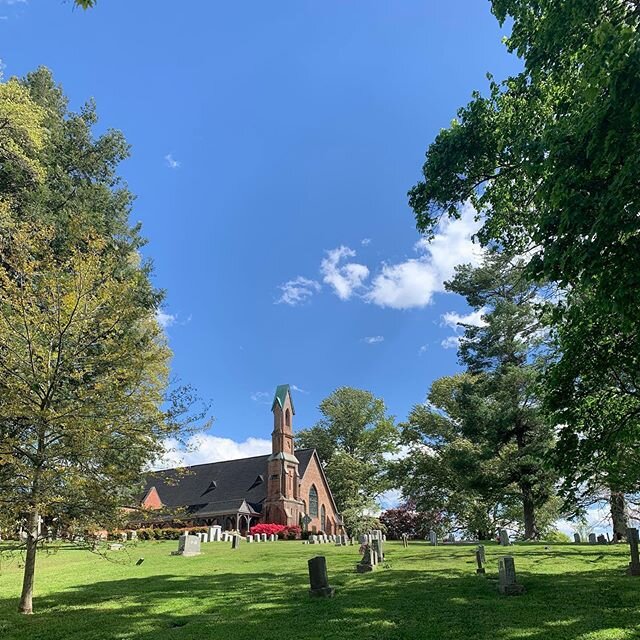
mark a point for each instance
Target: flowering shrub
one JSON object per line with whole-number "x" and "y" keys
{"x": 265, "y": 527}
{"x": 294, "y": 532}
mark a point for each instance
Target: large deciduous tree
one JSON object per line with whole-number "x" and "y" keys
{"x": 549, "y": 159}
{"x": 354, "y": 439}
{"x": 85, "y": 403}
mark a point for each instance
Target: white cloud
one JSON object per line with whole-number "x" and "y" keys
{"x": 452, "y": 342}
{"x": 345, "y": 278}
{"x": 455, "y": 320}
{"x": 261, "y": 396}
{"x": 298, "y": 389}
{"x": 165, "y": 320}
{"x": 172, "y": 163}
{"x": 365, "y": 241}
{"x": 297, "y": 291}
{"x": 373, "y": 339}
{"x": 13, "y": 2}
{"x": 423, "y": 349}
{"x": 204, "y": 448}
{"x": 413, "y": 282}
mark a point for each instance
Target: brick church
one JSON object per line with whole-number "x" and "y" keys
{"x": 287, "y": 487}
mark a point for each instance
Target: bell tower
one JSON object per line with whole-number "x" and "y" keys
{"x": 282, "y": 504}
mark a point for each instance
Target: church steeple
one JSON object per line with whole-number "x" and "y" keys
{"x": 283, "y": 412}
{"x": 282, "y": 504}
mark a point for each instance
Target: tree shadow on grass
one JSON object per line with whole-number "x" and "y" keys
{"x": 387, "y": 604}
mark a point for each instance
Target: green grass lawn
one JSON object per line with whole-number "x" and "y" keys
{"x": 260, "y": 591}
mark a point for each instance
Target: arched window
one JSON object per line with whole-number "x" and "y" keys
{"x": 287, "y": 418}
{"x": 313, "y": 502}
{"x": 323, "y": 519}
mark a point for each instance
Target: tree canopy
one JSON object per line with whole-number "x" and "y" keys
{"x": 354, "y": 439}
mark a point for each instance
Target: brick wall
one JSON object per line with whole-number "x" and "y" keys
{"x": 313, "y": 477}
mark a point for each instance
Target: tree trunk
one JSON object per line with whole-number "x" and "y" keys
{"x": 26, "y": 599}
{"x": 528, "y": 506}
{"x": 618, "y": 507}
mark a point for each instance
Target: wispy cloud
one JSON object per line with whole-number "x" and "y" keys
{"x": 261, "y": 396}
{"x": 365, "y": 241}
{"x": 11, "y": 2}
{"x": 373, "y": 339}
{"x": 297, "y": 291}
{"x": 450, "y": 342}
{"x": 423, "y": 349}
{"x": 165, "y": 320}
{"x": 298, "y": 389}
{"x": 345, "y": 278}
{"x": 172, "y": 163}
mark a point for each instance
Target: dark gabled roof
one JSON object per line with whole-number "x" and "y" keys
{"x": 216, "y": 488}
{"x": 281, "y": 395}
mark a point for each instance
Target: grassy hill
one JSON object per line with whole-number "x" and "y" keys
{"x": 260, "y": 592}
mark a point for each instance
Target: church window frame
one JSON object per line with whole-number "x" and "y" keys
{"x": 313, "y": 501}
{"x": 323, "y": 518}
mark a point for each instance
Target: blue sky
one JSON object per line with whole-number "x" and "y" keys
{"x": 272, "y": 148}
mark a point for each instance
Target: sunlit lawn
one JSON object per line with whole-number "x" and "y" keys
{"x": 260, "y": 591}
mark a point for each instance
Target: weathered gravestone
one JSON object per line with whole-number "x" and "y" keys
{"x": 263, "y": 537}
{"x": 273, "y": 537}
{"x": 602, "y": 539}
{"x": 592, "y": 538}
{"x": 313, "y": 539}
{"x": 187, "y": 546}
{"x": 368, "y": 561}
{"x": 249, "y": 538}
{"x": 634, "y": 565}
{"x": 433, "y": 538}
{"x": 405, "y": 540}
{"x": 480, "y": 549}
{"x": 576, "y": 538}
{"x": 376, "y": 546}
{"x": 235, "y": 542}
{"x": 318, "y": 578}
{"x": 507, "y": 583}
{"x": 504, "y": 538}
{"x": 480, "y": 560}
{"x": 364, "y": 539}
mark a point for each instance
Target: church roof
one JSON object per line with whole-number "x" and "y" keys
{"x": 218, "y": 488}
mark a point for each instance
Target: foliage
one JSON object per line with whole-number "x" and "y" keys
{"x": 556, "y": 536}
{"x": 406, "y": 520}
{"x": 268, "y": 528}
{"x": 478, "y": 448}
{"x": 85, "y": 401}
{"x": 354, "y": 438}
{"x": 549, "y": 159}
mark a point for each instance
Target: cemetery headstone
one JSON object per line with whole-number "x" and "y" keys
{"x": 249, "y": 538}
{"x": 376, "y": 545}
{"x": 367, "y": 563}
{"x": 139, "y": 561}
{"x": 313, "y": 539}
{"x": 235, "y": 542}
{"x": 507, "y": 583}
{"x": 318, "y": 578}
{"x": 480, "y": 561}
{"x": 602, "y": 539}
{"x": 504, "y": 538}
{"x": 592, "y": 538}
{"x": 480, "y": 548}
{"x": 433, "y": 538}
{"x": 576, "y": 538}
{"x": 632, "y": 539}
{"x": 217, "y": 533}
{"x": 263, "y": 537}
{"x": 187, "y": 546}
{"x": 405, "y": 540}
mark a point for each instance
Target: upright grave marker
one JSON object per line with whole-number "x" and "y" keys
{"x": 592, "y": 538}
{"x": 187, "y": 546}
{"x": 576, "y": 538}
{"x": 507, "y": 584}
{"x": 318, "y": 578}
{"x": 433, "y": 538}
{"x": 634, "y": 565}
{"x": 480, "y": 560}
{"x": 504, "y": 538}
